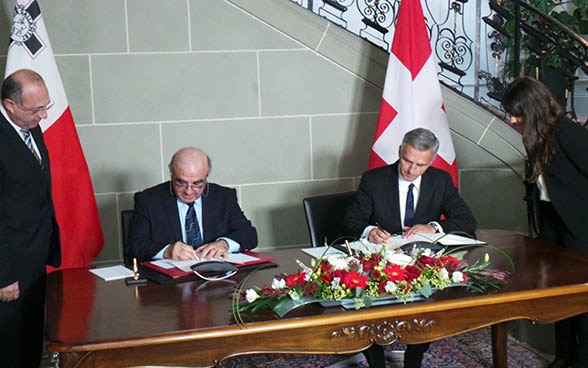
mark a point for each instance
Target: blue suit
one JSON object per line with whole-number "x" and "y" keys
{"x": 156, "y": 222}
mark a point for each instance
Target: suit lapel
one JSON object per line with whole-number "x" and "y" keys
{"x": 425, "y": 195}
{"x": 170, "y": 207}
{"x": 39, "y": 140}
{"x": 392, "y": 198}
{"x": 208, "y": 212}
{"x": 17, "y": 143}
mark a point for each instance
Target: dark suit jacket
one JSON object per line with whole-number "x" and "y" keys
{"x": 157, "y": 223}
{"x": 29, "y": 235}
{"x": 566, "y": 178}
{"x": 377, "y": 202}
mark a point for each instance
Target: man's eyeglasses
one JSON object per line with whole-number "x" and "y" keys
{"x": 36, "y": 110}
{"x": 185, "y": 185}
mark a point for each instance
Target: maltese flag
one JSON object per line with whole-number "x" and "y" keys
{"x": 73, "y": 195}
{"x": 412, "y": 94}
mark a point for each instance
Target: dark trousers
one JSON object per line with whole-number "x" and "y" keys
{"x": 21, "y": 328}
{"x": 571, "y": 335}
{"x": 375, "y": 356}
{"x": 413, "y": 356}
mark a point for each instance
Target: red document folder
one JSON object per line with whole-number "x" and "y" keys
{"x": 175, "y": 272}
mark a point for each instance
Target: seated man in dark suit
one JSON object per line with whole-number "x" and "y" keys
{"x": 407, "y": 197}
{"x": 188, "y": 217}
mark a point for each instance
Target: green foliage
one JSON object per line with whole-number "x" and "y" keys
{"x": 536, "y": 53}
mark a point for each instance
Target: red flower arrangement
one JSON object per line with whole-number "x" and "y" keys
{"x": 368, "y": 275}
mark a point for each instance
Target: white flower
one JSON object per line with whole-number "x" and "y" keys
{"x": 278, "y": 284}
{"x": 399, "y": 258}
{"x": 443, "y": 274}
{"x": 427, "y": 252}
{"x": 337, "y": 261}
{"x": 457, "y": 277}
{"x": 335, "y": 283}
{"x": 390, "y": 287}
{"x": 307, "y": 270}
{"x": 251, "y": 295}
{"x": 294, "y": 295}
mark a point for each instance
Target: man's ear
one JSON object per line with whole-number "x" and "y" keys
{"x": 8, "y": 105}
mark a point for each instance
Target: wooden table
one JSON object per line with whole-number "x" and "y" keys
{"x": 93, "y": 323}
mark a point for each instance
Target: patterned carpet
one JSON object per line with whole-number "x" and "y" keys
{"x": 470, "y": 350}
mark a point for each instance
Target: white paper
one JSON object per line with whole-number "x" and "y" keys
{"x": 447, "y": 239}
{"x": 316, "y": 252}
{"x": 112, "y": 272}
{"x": 185, "y": 266}
{"x": 397, "y": 241}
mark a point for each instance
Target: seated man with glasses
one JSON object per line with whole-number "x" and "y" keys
{"x": 188, "y": 217}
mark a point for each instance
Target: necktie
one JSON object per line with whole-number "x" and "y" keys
{"x": 26, "y": 134}
{"x": 409, "y": 213}
{"x": 193, "y": 236}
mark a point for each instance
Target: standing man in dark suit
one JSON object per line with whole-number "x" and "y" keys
{"x": 407, "y": 197}
{"x": 29, "y": 236}
{"x": 188, "y": 217}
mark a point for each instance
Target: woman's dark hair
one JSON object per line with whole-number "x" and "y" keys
{"x": 530, "y": 99}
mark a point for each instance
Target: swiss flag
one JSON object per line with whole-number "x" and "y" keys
{"x": 73, "y": 195}
{"x": 412, "y": 94}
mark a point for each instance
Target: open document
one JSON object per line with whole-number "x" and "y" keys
{"x": 235, "y": 258}
{"x": 397, "y": 241}
{"x": 179, "y": 269}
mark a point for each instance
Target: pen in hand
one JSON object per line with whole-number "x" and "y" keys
{"x": 384, "y": 233}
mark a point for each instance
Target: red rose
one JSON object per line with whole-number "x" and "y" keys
{"x": 412, "y": 272}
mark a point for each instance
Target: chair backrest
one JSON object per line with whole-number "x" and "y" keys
{"x": 125, "y": 221}
{"x": 324, "y": 216}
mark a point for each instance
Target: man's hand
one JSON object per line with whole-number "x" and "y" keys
{"x": 179, "y": 251}
{"x": 425, "y": 228}
{"x": 215, "y": 249}
{"x": 378, "y": 236}
{"x": 10, "y": 293}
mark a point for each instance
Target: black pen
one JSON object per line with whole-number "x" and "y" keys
{"x": 400, "y": 233}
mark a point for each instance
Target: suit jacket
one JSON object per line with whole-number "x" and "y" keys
{"x": 29, "y": 235}
{"x": 377, "y": 202}
{"x": 566, "y": 178}
{"x": 156, "y": 222}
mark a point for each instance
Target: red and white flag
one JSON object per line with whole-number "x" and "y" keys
{"x": 412, "y": 94}
{"x": 73, "y": 195}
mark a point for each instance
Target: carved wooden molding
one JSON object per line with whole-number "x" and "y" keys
{"x": 385, "y": 332}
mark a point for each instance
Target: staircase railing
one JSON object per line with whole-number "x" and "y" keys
{"x": 519, "y": 38}
{"x": 536, "y": 44}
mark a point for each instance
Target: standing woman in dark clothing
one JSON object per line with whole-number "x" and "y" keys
{"x": 557, "y": 150}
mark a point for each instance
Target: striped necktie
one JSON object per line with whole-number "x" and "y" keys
{"x": 26, "y": 134}
{"x": 193, "y": 236}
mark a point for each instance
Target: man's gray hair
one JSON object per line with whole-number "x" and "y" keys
{"x": 422, "y": 139}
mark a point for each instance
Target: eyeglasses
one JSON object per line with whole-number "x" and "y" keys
{"x": 197, "y": 185}
{"x": 36, "y": 110}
